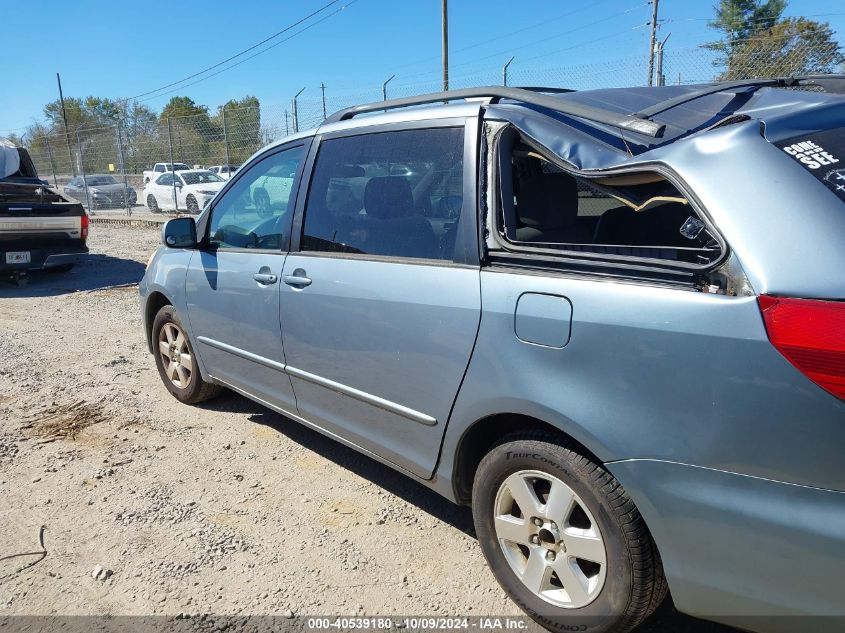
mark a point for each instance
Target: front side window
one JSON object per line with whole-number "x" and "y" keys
{"x": 255, "y": 212}
{"x": 396, "y": 194}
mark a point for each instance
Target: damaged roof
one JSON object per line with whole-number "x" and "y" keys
{"x": 590, "y": 145}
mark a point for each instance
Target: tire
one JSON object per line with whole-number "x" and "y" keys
{"x": 193, "y": 206}
{"x": 180, "y": 375}
{"x": 262, "y": 203}
{"x": 152, "y": 203}
{"x": 615, "y": 583}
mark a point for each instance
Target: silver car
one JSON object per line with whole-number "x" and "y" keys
{"x": 611, "y": 321}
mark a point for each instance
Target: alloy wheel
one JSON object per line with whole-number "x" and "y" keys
{"x": 175, "y": 355}
{"x": 549, "y": 538}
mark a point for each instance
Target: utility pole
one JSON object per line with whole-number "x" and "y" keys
{"x": 505, "y": 72}
{"x": 445, "y": 20}
{"x": 652, "y": 41}
{"x": 661, "y": 78}
{"x": 323, "y": 88}
{"x": 384, "y": 88}
{"x": 64, "y": 118}
{"x": 295, "y": 111}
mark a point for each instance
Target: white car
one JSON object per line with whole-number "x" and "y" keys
{"x": 224, "y": 171}
{"x": 190, "y": 190}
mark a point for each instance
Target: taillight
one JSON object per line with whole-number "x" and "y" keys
{"x": 84, "y": 225}
{"x": 811, "y": 335}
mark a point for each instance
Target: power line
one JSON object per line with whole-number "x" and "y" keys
{"x": 246, "y": 50}
{"x": 510, "y": 50}
{"x": 502, "y": 35}
{"x": 246, "y": 59}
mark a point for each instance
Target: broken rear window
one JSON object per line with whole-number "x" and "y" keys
{"x": 823, "y": 155}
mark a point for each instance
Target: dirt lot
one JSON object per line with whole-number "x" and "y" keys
{"x": 227, "y": 508}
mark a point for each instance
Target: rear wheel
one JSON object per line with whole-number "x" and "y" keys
{"x": 563, "y": 538}
{"x": 176, "y": 361}
{"x": 193, "y": 206}
{"x": 152, "y": 203}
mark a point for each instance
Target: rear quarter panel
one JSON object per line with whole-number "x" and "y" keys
{"x": 653, "y": 372}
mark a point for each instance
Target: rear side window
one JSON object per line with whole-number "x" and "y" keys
{"x": 822, "y": 154}
{"x": 638, "y": 215}
{"x": 396, "y": 194}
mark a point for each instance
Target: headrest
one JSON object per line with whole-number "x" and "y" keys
{"x": 549, "y": 201}
{"x": 387, "y": 197}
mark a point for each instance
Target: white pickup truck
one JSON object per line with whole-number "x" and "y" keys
{"x": 160, "y": 168}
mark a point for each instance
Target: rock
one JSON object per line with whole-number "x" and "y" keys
{"x": 98, "y": 570}
{"x": 288, "y": 613}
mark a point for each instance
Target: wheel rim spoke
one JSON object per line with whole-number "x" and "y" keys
{"x": 523, "y": 494}
{"x": 560, "y": 502}
{"x": 180, "y": 342}
{"x": 572, "y": 579}
{"x": 187, "y": 362}
{"x": 588, "y": 548}
{"x": 182, "y": 373}
{"x": 513, "y": 530}
{"x": 536, "y": 574}
{"x": 164, "y": 348}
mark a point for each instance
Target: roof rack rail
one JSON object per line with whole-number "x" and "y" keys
{"x": 834, "y": 83}
{"x": 524, "y": 95}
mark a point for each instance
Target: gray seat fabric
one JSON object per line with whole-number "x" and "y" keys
{"x": 548, "y": 210}
{"x": 390, "y": 226}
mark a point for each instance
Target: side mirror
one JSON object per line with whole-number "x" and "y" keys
{"x": 179, "y": 233}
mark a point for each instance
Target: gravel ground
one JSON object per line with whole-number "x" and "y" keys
{"x": 154, "y": 507}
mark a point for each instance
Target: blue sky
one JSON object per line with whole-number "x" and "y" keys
{"x": 122, "y": 49}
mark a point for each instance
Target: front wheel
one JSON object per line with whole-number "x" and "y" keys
{"x": 152, "y": 203}
{"x": 193, "y": 205}
{"x": 175, "y": 359}
{"x": 563, "y": 538}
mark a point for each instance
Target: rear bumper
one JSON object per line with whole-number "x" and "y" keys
{"x": 751, "y": 552}
{"x": 46, "y": 257}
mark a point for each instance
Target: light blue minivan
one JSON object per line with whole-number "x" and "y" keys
{"x": 611, "y": 321}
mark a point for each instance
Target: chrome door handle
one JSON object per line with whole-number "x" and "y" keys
{"x": 265, "y": 279}
{"x": 297, "y": 281}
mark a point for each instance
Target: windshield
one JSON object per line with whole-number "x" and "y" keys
{"x": 93, "y": 181}
{"x": 180, "y": 167}
{"x": 200, "y": 177}
{"x": 823, "y": 155}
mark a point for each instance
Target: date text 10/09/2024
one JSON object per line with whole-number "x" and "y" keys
{"x": 418, "y": 623}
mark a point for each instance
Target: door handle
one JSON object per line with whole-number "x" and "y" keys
{"x": 265, "y": 279}
{"x": 297, "y": 279}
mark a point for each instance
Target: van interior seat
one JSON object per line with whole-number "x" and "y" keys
{"x": 391, "y": 226}
{"x": 547, "y": 209}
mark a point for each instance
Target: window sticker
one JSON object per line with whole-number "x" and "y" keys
{"x": 811, "y": 154}
{"x": 823, "y": 155}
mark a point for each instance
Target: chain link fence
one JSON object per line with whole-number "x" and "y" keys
{"x": 124, "y": 150}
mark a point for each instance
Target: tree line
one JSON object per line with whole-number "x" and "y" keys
{"x": 102, "y": 131}
{"x": 758, "y": 42}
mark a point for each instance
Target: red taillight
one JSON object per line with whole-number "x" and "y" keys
{"x": 84, "y": 226}
{"x": 811, "y": 335}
